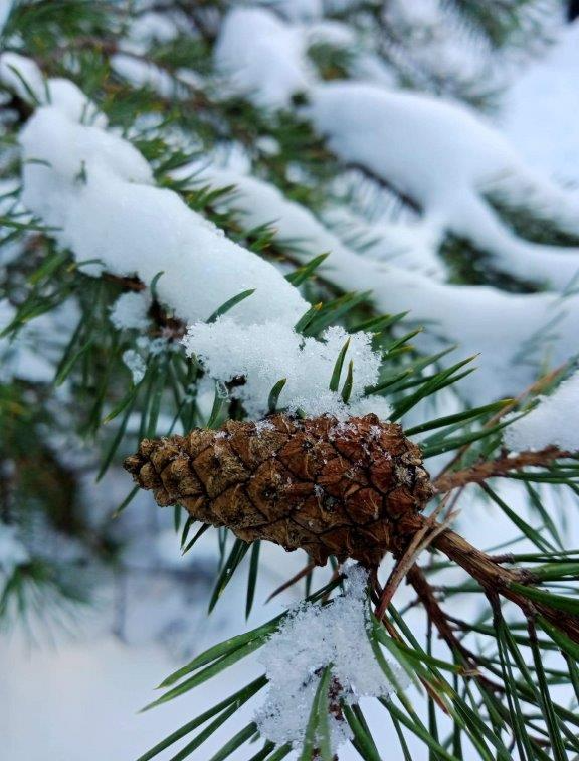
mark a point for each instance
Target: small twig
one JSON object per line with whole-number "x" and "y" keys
{"x": 290, "y": 582}
{"x": 535, "y": 387}
{"x": 421, "y": 540}
{"x": 480, "y": 472}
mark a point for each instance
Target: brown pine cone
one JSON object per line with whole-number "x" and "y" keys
{"x": 353, "y": 489}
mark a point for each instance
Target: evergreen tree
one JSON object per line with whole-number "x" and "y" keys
{"x": 197, "y": 200}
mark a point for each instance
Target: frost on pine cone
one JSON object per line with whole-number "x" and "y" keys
{"x": 350, "y": 489}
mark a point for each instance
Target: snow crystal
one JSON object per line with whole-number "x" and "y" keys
{"x": 131, "y": 310}
{"x": 266, "y": 353}
{"x": 263, "y": 58}
{"x": 12, "y": 551}
{"x": 310, "y": 638}
{"x": 555, "y": 421}
{"x": 135, "y": 364}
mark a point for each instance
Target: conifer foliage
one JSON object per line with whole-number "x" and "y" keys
{"x": 239, "y": 245}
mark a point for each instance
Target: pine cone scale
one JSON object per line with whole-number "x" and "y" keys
{"x": 351, "y": 489}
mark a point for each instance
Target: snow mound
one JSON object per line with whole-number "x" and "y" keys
{"x": 97, "y": 190}
{"x": 555, "y": 421}
{"x": 262, "y": 57}
{"x": 310, "y": 638}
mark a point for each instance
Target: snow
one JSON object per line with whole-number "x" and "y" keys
{"x": 555, "y": 421}
{"x": 427, "y": 41}
{"x": 12, "y": 551}
{"x": 153, "y": 27}
{"x": 299, "y": 10}
{"x": 444, "y": 157}
{"x": 310, "y": 638}
{"x": 100, "y": 196}
{"x": 31, "y": 357}
{"x": 262, "y": 57}
{"x": 534, "y": 328}
{"x": 540, "y": 107}
{"x": 14, "y": 68}
{"x": 408, "y": 245}
{"x": 5, "y": 9}
{"x": 328, "y": 32}
{"x": 16, "y": 71}
{"x": 143, "y": 74}
{"x": 270, "y": 351}
{"x": 136, "y": 364}
{"x": 440, "y": 153}
{"x": 116, "y": 215}
{"x": 131, "y": 310}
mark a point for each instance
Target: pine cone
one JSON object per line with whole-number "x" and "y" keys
{"x": 352, "y": 489}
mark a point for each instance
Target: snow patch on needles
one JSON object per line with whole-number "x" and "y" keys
{"x": 262, "y": 57}
{"x": 533, "y": 328}
{"x": 144, "y": 74}
{"x": 266, "y": 353}
{"x": 310, "y": 638}
{"x": 555, "y": 421}
{"x": 131, "y": 310}
{"x": 444, "y": 157}
{"x": 98, "y": 191}
{"x": 23, "y": 76}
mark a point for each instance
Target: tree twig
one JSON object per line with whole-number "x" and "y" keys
{"x": 479, "y": 472}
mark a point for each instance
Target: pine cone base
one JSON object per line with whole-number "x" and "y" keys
{"x": 351, "y": 489}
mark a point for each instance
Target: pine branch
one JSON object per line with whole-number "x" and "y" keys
{"x": 502, "y": 466}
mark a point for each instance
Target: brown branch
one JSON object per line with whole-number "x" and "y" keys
{"x": 440, "y": 620}
{"x": 496, "y": 579}
{"x": 535, "y": 388}
{"x": 500, "y": 467}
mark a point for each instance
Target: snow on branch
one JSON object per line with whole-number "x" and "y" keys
{"x": 98, "y": 191}
{"x": 441, "y": 155}
{"x": 555, "y": 421}
{"x": 513, "y": 333}
{"x": 444, "y": 157}
{"x": 311, "y": 638}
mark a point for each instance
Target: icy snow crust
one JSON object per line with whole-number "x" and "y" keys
{"x": 310, "y": 638}
{"x": 555, "y": 421}
{"x": 98, "y": 191}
